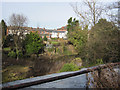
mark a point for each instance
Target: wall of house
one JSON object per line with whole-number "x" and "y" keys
{"x": 49, "y": 33}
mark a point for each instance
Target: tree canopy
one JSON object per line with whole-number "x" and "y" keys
{"x": 103, "y": 41}
{"x": 76, "y": 35}
{"x": 33, "y": 44}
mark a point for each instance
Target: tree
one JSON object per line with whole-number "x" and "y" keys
{"x": 45, "y": 38}
{"x": 104, "y": 42}
{"x": 17, "y": 22}
{"x": 77, "y": 36}
{"x": 33, "y": 44}
{"x": 91, "y": 14}
{"x": 4, "y": 28}
{"x": 113, "y": 11}
{"x": 9, "y": 41}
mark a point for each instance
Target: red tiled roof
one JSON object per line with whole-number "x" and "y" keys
{"x": 61, "y": 30}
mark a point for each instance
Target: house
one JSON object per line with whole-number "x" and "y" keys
{"x": 49, "y": 33}
{"x": 59, "y": 34}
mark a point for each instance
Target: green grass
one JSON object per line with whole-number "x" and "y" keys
{"x": 69, "y": 67}
{"x": 55, "y": 43}
{"x": 15, "y": 72}
{"x": 54, "y": 38}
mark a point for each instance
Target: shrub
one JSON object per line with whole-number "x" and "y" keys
{"x": 69, "y": 67}
{"x": 12, "y": 54}
{"x": 7, "y": 49}
{"x": 20, "y": 54}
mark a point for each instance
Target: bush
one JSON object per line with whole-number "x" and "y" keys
{"x": 7, "y": 49}
{"x": 69, "y": 67}
{"x": 12, "y": 54}
{"x": 20, "y": 54}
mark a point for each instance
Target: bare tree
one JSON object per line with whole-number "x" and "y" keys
{"x": 17, "y": 22}
{"x": 113, "y": 11}
{"x": 90, "y": 13}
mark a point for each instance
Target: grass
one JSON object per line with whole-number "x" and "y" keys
{"x": 15, "y": 72}
{"x": 55, "y": 43}
{"x": 69, "y": 67}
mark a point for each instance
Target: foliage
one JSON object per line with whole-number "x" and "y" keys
{"x": 50, "y": 49}
{"x": 19, "y": 53}
{"x": 69, "y": 67}
{"x": 8, "y": 41}
{"x": 72, "y": 24}
{"x": 77, "y": 36}
{"x": 45, "y": 38}
{"x": 33, "y": 43}
{"x": 54, "y": 38}
{"x": 55, "y": 43}
{"x": 12, "y": 54}
{"x": 103, "y": 42}
{"x": 7, "y": 49}
{"x": 4, "y": 28}
{"x": 99, "y": 61}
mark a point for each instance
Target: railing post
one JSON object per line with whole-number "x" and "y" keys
{"x": 99, "y": 73}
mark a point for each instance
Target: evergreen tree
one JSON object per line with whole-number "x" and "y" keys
{"x": 4, "y": 28}
{"x": 33, "y": 44}
{"x": 45, "y": 38}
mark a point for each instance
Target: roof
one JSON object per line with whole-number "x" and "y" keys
{"x": 41, "y": 29}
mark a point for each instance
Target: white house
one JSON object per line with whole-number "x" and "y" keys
{"x": 59, "y": 34}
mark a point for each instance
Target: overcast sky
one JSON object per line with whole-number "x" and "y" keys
{"x": 50, "y": 15}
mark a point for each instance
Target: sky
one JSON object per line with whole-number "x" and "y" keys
{"x": 43, "y": 14}
{"x": 40, "y": 14}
